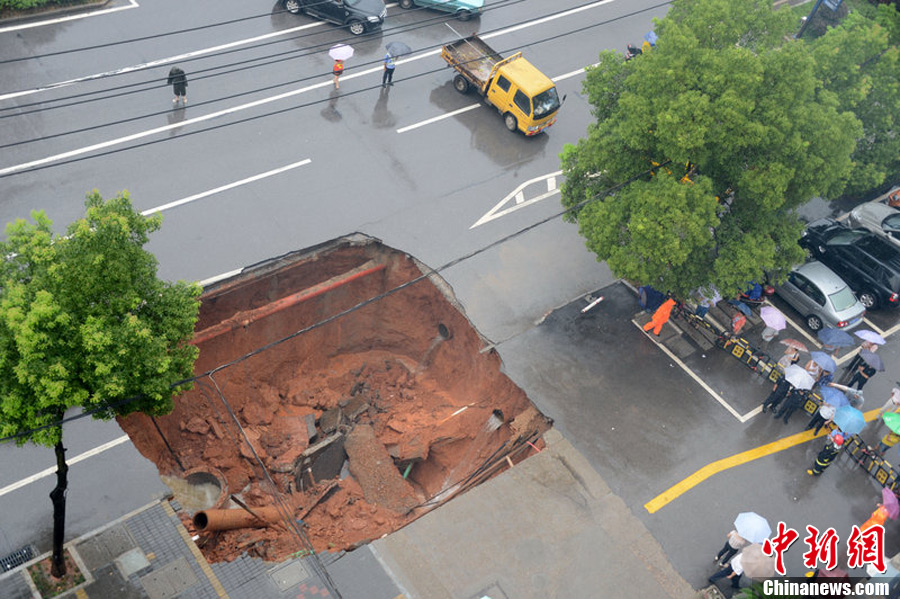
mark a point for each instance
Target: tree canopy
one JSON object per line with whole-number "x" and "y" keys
{"x": 84, "y": 321}
{"x": 730, "y": 97}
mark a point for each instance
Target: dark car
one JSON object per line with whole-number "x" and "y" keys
{"x": 870, "y": 265}
{"x": 358, "y": 16}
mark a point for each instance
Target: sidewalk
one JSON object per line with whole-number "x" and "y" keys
{"x": 549, "y": 527}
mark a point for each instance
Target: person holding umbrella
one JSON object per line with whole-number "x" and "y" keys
{"x": 389, "y": 66}
{"x": 340, "y": 53}
{"x": 870, "y": 364}
{"x": 733, "y": 543}
{"x": 892, "y": 420}
{"x": 732, "y": 571}
{"x": 178, "y": 80}
{"x": 827, "y": 454}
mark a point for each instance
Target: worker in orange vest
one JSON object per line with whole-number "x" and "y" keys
{"x": 660, "y": 317}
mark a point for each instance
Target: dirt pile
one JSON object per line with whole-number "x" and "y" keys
{"x": 357, "y": 424}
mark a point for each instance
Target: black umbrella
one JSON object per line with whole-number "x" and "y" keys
{"x": 398, "y": 49}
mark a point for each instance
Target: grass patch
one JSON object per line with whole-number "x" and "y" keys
{"x": 47, "y": 585}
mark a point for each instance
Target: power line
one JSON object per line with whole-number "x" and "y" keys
{"x": 350, "y": 310}
{"x": 401, "y": 29}
{"x": 280, "y": 111}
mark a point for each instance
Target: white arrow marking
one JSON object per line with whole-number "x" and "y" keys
{"x": 519, "y": 197}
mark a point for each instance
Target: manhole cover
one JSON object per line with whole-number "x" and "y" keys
{"x": 170, "y": 580}
{"x": 132, "y": 562}
{"x": 289, "y": 574}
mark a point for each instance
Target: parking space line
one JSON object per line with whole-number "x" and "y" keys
{"x": 739, "y": 459}
{"x": 96, "y": 13}
{"x": 891, "y": 331}
{"x": 697, "y": 379}
{"x": 793, "y": 324}
{"x": 873, "y": 327}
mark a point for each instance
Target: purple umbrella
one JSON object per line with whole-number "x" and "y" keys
{"x": 773, "y": 317}
{"x": 890, "y": 503}
{"x": 873, "y": 360}
{"x": 870, "y": 336}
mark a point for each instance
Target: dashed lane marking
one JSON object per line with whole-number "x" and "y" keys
{"x": 96, "y": 13}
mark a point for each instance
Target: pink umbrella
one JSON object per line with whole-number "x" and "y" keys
{"x": 890, "y": 503}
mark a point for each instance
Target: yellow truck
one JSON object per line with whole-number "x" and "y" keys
{"x": 525, "y": 97}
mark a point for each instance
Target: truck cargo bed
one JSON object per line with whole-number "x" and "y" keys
{"x": 472, "y": 57}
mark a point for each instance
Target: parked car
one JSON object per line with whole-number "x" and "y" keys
{"x": 463, "y": 9}
{"x": 822, "y": 297}
{"x": 359, "y": 16}
{"x": 869, "y": 264}
{"x": 879, "y": 218}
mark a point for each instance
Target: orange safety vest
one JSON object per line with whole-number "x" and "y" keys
{"x": 338, "y": 68}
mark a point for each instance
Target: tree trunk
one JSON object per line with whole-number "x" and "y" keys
{"x": 58, "y": 497}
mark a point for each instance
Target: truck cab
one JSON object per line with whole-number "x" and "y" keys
{"x": 526, "y": 97}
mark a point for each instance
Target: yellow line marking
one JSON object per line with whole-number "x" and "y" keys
{"x": 707, "y": 471}
{"x": 201, "y": 561}
{"x": 80, "y": 594}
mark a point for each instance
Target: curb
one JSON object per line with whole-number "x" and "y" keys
{"x": 52, "y": 12}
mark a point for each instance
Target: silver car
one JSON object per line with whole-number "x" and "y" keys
{"x": 822, "y": 297}
{"x": 879, "y": 218}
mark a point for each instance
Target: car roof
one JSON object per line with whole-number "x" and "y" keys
{"x": 824, "y": 278}
{"x": 877, "y": 210}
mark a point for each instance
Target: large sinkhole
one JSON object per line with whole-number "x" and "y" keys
{"x": 352, "y": 421}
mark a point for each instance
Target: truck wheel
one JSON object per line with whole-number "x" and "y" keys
{"x": 463, "y": 15}
{"x": 292, "y": 6}
{"x": 460, "y": 83}
{"x": 356, "y": 27}
{"x": 406, "y": 3}
{"x": 511, "y": 123}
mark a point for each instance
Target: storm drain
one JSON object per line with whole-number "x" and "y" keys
{"x": 17, "y": 558}
{"x": 170, "y": 580}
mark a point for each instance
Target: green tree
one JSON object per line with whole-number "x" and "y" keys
{"x": 859, "y": 62}
{"x": 727, "y": 92}
{"x": 85, "y": 322}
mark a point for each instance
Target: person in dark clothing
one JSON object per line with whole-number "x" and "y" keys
{"x": 178, "y": 81}
{"x": 779, "y": 390}
{"x": 793, "y": 400}
{"x": 389, "y": 65}
{"x": 823, "y": 416}
{"x": 827, "y": 454}
{"x": 861, "y": 376}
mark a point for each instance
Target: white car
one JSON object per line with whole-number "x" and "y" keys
{"x": 879, "y": 218}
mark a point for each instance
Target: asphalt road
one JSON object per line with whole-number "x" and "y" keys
{"x": 248, "y": 193}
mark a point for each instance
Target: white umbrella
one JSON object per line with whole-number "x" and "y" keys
{"x": 798, "y": 377}
{"x": 340, "y": 52}
{"x": 752, "y": 527}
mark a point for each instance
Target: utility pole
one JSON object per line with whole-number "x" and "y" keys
{"x": 806, "y": 21}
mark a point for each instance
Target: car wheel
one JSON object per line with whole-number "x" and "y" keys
{"x": 356, "y": 27}
{"x": 813, "y": 322}
{"x": 406, "y": 4}
{"x": 464, "y": 15}
{"x": 460, "y": 83}
{"x": 868, "y": 299}
{"x": 511, "y": 123}
{"x": 292, "y": 6}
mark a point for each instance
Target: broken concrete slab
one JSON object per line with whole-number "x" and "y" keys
{"x": 311, "y": 431}
{"x": 373, "y": 468}
{"x": 330, "y": 420}
{"x": 354, "y": 406}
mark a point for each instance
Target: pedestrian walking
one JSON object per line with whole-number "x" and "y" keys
{"x": 178, "y": 80}
{"x": 732, "y": 571}
{"x": 887, "y": 441}
{"x": 660, "y": 317}
{"x": 337, "y": 71}
{"x": 862, "y": 375}
{"x": 733, "y": 543}
{"x": 791, "y": 402}
{"x": 779, "y": 390}
{"x": 823, "y": 416}
{"x": 827, "y": 454}
{"x": 389, "y": 65}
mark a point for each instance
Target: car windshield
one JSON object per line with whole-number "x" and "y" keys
{"x": 846, "y": 237}
{"x": 546, "y": 103}
{"x": 843, "y": 299}
{"x": 891, "y": 223}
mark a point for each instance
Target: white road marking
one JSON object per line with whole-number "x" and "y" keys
{"x": 873, "y": 327}
{"x": 96, "y": 13}
{"x": 699, "y": 380}
{"x": 158, "y": 62}
{"x": 225, "y": 187}
{"x": 438, "y": 118}
{"x": 518, "y": 196}
{"x": 72, "y": 461}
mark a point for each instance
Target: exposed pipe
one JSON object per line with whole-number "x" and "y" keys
{"x": 242, "y": 319}
{"x": 229, "y": 519}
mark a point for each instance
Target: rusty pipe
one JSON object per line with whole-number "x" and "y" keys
{"x": 228, "y": 519}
